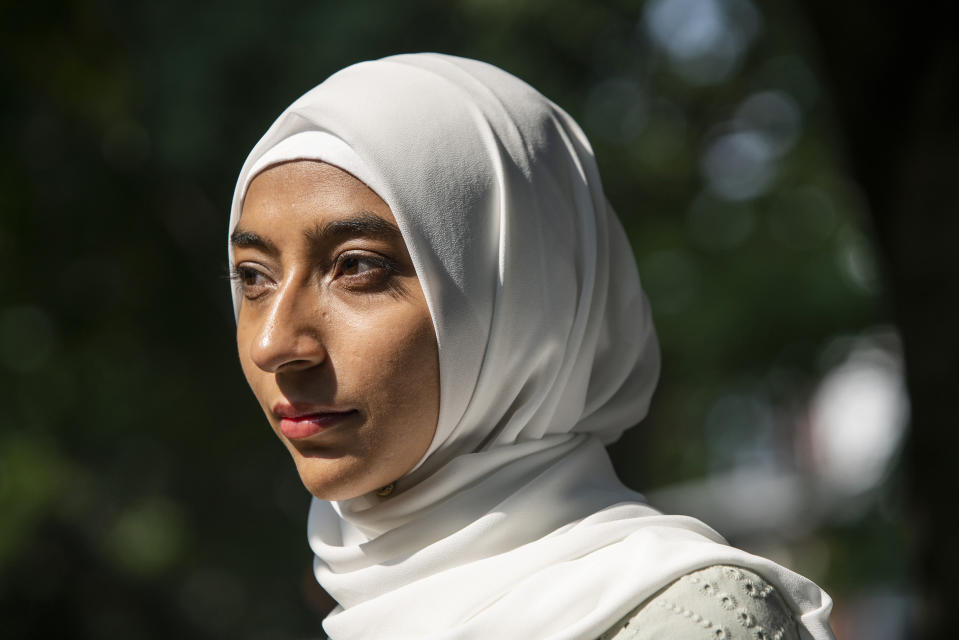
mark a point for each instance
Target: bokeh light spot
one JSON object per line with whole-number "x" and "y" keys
{"x": 773, "y": 114}
{"x": 704, "y": 39}
{"x": 739, "y": 166}
{"x": 148, "y": 538}
{"x": 857, "y": 418}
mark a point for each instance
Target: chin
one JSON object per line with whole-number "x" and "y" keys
{"x": 324, "y": 485}
{"x": 324, "y": 491}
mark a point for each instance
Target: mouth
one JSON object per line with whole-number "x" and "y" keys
{"x": 297, "y": 425}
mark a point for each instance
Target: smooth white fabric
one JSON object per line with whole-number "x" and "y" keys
{"x": 513, "y": 525}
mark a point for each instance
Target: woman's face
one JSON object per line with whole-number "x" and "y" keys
{"x": 334, "y": 333}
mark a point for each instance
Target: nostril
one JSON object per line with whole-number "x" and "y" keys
{"x": 296, "y": 365}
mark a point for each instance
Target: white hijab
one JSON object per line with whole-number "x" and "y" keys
{"x": 513, "y": 525}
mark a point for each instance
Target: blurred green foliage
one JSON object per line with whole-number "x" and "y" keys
{"x": 142, "y": 494}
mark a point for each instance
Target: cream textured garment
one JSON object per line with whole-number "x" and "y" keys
{"x": 716, "y": 603}
{"x": 513, "y": 525}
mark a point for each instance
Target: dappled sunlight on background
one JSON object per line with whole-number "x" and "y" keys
{"x": 143, "y": 493}
{"x": 704, "y": 39}
{"x": 783, "y": 407}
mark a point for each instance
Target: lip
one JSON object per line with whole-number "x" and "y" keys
{"x": 297, "y": 423}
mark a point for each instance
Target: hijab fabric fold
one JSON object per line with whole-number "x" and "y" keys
{"x": 513, "y": 525}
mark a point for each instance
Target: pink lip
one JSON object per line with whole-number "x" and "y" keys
{"x": 297, "y": 424}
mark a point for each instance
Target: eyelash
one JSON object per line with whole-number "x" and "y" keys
{"x": 360, "y": 281}
{"x": 377, "y": 262}
{"x": 239, "y": 274}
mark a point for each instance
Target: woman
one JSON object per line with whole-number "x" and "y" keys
{"x": 441, "y": 318}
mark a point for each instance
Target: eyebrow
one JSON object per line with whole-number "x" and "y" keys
{"x": 363, "y": 223}
{"x": 248, "y": 239}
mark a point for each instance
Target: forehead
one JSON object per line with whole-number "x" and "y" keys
{"x": 307, "y": 191}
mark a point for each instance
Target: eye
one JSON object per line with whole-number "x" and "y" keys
{"x": 362, "y": 270}
{"x": 253, "y": 282}
{"x": 352, "y": 265}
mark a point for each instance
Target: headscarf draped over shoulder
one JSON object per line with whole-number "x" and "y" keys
{"x": 513, "y": 525}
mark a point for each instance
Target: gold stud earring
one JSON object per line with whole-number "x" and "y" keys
{"x": 385, "y": 492}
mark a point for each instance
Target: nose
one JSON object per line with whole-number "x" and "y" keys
{"x": 290, "y": 335}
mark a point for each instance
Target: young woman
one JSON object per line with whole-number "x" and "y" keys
{"x": 441, "y": 317}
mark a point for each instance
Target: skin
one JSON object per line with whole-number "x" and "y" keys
{"x": 333, "y": 321}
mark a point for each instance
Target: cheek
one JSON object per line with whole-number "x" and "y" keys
{"x": 396, "y": 361}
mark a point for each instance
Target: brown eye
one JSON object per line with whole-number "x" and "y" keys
{"x": 252, "y": 282}
{"x": 355, "y": 265}
{"x": 364, "y": 271}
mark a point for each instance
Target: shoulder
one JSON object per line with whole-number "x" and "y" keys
{"x": 716, "y": 603}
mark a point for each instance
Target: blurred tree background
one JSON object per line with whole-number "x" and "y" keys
{"x": 784, "y": 172}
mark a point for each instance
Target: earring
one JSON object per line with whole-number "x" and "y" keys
{"x": 385, "y": 492}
